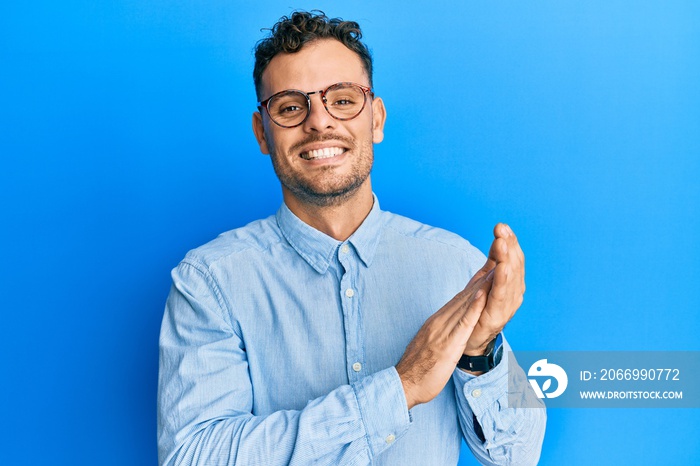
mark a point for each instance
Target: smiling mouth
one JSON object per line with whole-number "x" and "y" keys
{"x": 325, "y": 153}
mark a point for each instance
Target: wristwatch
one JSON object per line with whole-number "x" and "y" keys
{"x": 486, "y": 362}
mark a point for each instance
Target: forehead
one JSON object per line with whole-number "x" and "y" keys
{"x": 316, "y": 66}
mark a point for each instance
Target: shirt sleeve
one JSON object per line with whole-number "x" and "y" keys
{"x": 513, "y": 436}
{"x": 205, "y": 396}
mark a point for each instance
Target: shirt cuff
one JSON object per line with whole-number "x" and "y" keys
{"x": 383, "y": 409}
{"x": 481, "y": 392}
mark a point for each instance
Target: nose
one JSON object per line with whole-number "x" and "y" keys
{"x": 319, "y": 120}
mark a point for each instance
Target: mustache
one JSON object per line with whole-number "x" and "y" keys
{"x": 322, "y": 138}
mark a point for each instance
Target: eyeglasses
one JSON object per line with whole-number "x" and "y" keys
{"x": 343, "y": 101}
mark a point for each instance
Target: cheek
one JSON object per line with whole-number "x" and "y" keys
{"x": 277, "y": 140}
{"x": 270, "y": 144}
{"x": 279, "y": 150}
{"x": 361, "y": 133}
{"x": 273, "y": 141}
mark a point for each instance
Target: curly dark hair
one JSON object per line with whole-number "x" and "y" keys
{"x": 290, "y": 34}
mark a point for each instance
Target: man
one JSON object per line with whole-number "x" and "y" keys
{"x": 330, "y": 333}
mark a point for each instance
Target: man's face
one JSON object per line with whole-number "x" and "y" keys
{"x": 323, "y": 161}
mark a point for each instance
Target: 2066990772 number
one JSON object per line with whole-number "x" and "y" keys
{"x": 640, "y": 374}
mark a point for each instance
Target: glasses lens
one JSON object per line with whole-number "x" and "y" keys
{"x": 289, "y": 108}
{"x": 345, "y": 101}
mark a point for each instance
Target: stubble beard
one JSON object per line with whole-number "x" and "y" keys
{"x": 326, "y": 189}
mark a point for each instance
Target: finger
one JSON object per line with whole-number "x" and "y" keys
{"x": 515, "y": 253}
{"x": 501, "y": 230}
{"x": 513, "y": 244}
{"x": 481, "y": 288}
{"x": 516, "y": 258}
{"x": 505, "y": 295}
{"x": 453, "y": 310}
{"x": 454, "y": 306}
{"x": 500, "y": 287}
{"x": 499, "y": 251}
{"x": 469, "y": 319}
{"x": 518, "y": 264}
{"x": 505, "y": 285}
{"x": 504, "y": 298}
{"x": 481, "y": 273}
{"x": 497, "y": 248}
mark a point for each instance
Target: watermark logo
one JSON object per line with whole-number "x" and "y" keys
{"x": 542, "y": 368}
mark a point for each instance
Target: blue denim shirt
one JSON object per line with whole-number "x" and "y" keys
{"x": 278, "y": 346}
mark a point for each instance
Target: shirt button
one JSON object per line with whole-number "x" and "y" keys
{"x": 349, "y": 292}
{"x": 476, "y": 393}
{"x": 390, "y": 438}
{"x": 357, "y": 367}
{"x": 344, "y": 249}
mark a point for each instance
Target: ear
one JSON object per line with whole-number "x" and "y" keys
{"x": 259, "y": 131}
{"x": 378, "y": 119}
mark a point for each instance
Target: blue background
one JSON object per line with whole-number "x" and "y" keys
{"x": 125, "y": 141}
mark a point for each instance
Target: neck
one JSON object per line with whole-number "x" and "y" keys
{"x": 337, "y": 221}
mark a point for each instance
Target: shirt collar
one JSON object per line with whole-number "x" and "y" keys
{"x": 318, "y": 249}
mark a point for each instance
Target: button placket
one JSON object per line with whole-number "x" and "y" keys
{"x": 350, "y": 305}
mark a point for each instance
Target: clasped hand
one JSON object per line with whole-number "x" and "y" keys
{"x": 467, "y": 323}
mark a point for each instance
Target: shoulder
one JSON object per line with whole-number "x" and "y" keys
{"x": 398, "y": 227}
{"x": 253, "y": 239}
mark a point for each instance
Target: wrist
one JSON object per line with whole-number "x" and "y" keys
{"x": 479, "y": 350}
{"x": 479, "y": 361}
{"x": 406, "y": 385}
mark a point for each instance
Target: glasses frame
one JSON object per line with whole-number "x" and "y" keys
{"x": 365, "y": 91}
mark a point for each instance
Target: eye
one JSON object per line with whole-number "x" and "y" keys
{"x": 292, "y": 108}
{"x": 343, "y": 101}
{"x": 288, "y": 104}
{"x": 288, "y": 108}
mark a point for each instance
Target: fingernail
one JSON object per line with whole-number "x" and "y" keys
{"x": 479, "y": 294}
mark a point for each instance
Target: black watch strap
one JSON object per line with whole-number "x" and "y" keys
{"x": 483, "y": 363}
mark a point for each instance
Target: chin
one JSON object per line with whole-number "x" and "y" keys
{"x": 334, "y": 196}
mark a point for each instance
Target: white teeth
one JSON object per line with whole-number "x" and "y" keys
{"x": 324, "y": 153}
